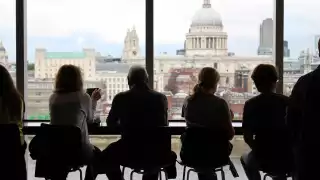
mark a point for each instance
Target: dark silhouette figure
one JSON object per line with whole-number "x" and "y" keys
{"x": 265, "y": 128}
{"x": 205, "y": 144}
{"x": 11, "y": 102}
{"x": 303, "y": 121}
{"x": 12, "y": 165}
{"x": 136, "y": 112}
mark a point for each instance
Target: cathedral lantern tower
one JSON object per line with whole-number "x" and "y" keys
{"x": 206, "y": 36}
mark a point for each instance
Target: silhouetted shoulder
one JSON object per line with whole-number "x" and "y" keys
{"x": 261, "y": 99}
{"x": 120, "y": 95}
{"x": 219, "y": 99}
{"x": 282, "y": 97}
{"x": 158, "y": 95}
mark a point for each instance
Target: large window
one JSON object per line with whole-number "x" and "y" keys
{"x": 232, "y": 36}
{"x": 8, "y": 36}
{"x": 301, "y": 35}
{"x": 103, "y": 38}
{"x": 106, "y": 38}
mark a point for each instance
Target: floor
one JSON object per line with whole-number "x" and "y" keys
{"x": 75, "y": 175}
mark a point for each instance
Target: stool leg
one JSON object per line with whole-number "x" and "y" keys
{"x": 188, "y": 173}
{"x": 223, "y": 177}
{"x": 184, "y": 172}
{"x": 166, "y": 175}
{"x": 123, "y": 170}
{"x": 80, "y": 171}
{"x": 131, "y": 175}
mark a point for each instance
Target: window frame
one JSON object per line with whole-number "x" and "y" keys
{"x": 21, "y": 43}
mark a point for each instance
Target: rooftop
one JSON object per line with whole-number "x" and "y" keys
{"x": 113, "y": 66}
{"x": 65, "y": 55}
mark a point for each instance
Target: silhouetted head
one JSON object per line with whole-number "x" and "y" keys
{"x": 265, "y": 77}
{"x": 137, "y": 76}
{"x": 10, "y": 98}
{"x": 207, "y": 80}
{"x": 68, "y": 79}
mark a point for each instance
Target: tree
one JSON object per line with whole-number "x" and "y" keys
{"x": 31, "y": 67}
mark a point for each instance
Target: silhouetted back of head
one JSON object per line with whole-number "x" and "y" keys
{"x": 265, "y": 77}
{"x": 137, "y": 76}
{"x": 10, "y": 98}
{"x": 68, "y": 79}
{"x": 208, "y": 80}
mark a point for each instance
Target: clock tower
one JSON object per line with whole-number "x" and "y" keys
{"x": 131, "y": 48}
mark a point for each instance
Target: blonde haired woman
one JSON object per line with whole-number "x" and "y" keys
{"x": 70, "y": 105}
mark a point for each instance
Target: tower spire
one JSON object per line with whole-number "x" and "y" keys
{"x": 206, "y": 4}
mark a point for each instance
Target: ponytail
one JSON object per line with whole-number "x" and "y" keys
{"x": 196, "y": 90}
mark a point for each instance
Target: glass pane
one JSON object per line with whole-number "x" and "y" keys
{"x": 8, "y": 36}
{"x": 301, "y": 32}
{"x": 94, "y": 35}
{"x": 232, "y": 36}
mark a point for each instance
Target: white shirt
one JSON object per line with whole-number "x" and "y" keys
{"x": 75, "y": 109}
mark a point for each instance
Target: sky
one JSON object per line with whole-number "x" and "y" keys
{"x": 70, "y": 25}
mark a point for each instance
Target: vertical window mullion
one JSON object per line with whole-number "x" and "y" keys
{"x": 21, "y": 53}
{"x": 278, "y": 40}
{"x": 150, "y": 41}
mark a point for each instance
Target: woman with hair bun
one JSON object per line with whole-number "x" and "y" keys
{"x": 209, "y": 129}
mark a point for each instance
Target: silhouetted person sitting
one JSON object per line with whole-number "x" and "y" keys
{"x": 11, "y": 102}
{"x": 12, "y": 112}
{"x": 304, "y": 121}
{"x": 138, "y": 108}
{"x": 70, "y": 105}
{"x": 264, "y": 127}
{"x": 205, "y": 144}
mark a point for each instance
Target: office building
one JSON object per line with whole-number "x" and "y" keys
{"x": 286, "y": 50}
{"x": 266, "y": 37}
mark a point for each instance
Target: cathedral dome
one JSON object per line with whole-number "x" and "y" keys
{"x": 206, "y": 16}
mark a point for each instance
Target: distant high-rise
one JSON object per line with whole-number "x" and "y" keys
{"x": 286, "y": 50}
{"x": 266, "y": 37}
{"x": 316, "y": 39}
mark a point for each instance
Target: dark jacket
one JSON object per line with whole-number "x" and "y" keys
{"x": 303, "y": 121}
{"x": 138, "y": 111}
{"x": 138, "y": 107}
{"x": 264, "y": 123}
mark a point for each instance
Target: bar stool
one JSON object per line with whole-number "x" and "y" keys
{"x": 141, "y": 171}
{"x": 193, "y": 169}
{"x": 273, "y": 176}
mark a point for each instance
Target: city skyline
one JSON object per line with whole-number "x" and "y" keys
{"x": 104, "y": 26}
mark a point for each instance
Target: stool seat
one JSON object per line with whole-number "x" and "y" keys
{"x": 198, "y": 170}
{"x": 147, "y": 170}
{"x": 274, "y": 175}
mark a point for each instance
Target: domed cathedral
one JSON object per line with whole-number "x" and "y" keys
{"x": 131, "y": 45}
{"x": 206, "y": 36}
{"x": 3, "y": 55}
{"x": 205, "y": 46}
